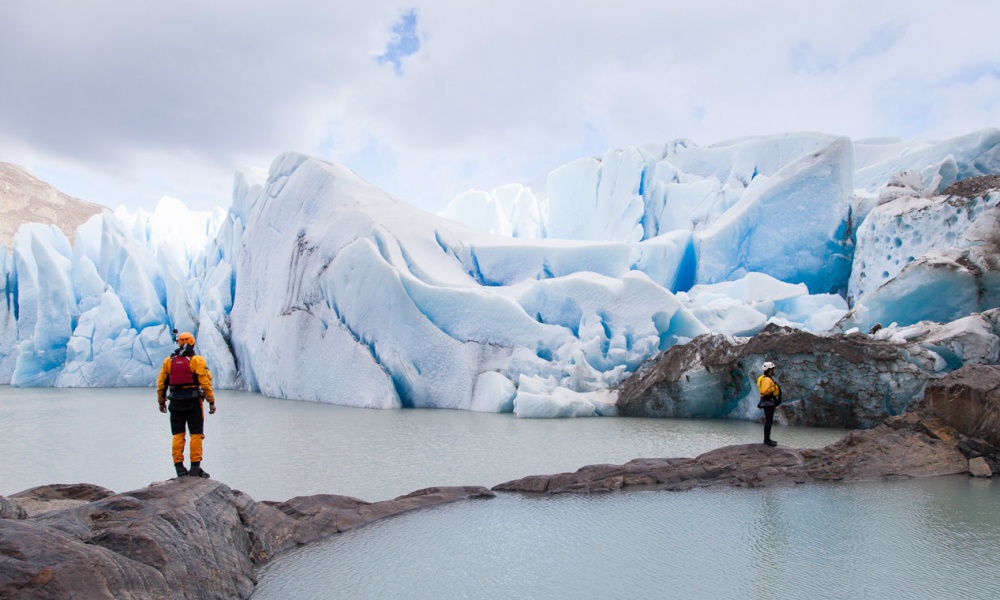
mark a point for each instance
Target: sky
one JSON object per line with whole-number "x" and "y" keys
{"x": 122, "y": 103}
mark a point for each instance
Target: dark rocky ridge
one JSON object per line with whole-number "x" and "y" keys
{"x": 974, "y": 186}
{"x": 727, "y": 367}
{"x": 197, "y": 538}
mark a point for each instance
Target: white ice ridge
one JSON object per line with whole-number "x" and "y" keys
{"x": 318, "y": 286}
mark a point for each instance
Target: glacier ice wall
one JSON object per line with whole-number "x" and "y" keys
{"x": 384, "y": 305}
{"x": 316, "y": 285}
{"x": 99, "y": 313}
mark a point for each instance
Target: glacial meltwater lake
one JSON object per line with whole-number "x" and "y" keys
{"x": 902, "y": 539}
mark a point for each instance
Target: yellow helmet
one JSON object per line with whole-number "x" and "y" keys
{"x": 185, "y": 338}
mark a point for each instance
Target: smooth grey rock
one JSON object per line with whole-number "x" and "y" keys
{"x": 11, "y": 510}
{"x": 184, "y": 538}
{"x": 46, "y": 498}
{"x": 901, "y": 449}
{"x": 979, "y": 468}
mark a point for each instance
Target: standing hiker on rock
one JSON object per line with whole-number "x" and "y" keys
{"x": 770, "y": 398}
{"x": 185, "y": 380}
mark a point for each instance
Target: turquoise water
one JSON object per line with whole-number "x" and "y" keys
{"x": 937, "y": 538}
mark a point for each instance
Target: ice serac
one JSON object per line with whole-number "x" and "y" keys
{"x": 511, "y": 210}
{"x": 46, "y": 302}
{"x": 8, "y": 315}
{"x": 600, "y": 199}
{"x": 792, "y": 225}
{"x": 940, "y": 164}
{"x": 743, "y": 159}
{"x": 99, "y": 314}
{"x": 383, "y": 305}
{"x": 131, "y": 274}
{"x": 743, "y": 307}
{"x": 926, "y": 258}
{"x": 481, "y": 211}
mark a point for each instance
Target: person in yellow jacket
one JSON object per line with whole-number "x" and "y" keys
{"x": 185, "y": 380}
{"x": 770, "y": 399}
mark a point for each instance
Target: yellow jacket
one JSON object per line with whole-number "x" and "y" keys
{"x": 198, "y": 367}
{"x": 767, "y": 386}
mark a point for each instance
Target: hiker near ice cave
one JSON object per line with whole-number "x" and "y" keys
{"x": 185, "y": 380}
{"x": 770, "y": 399}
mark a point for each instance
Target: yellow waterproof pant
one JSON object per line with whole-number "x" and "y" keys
{"x": 178, "y": 447}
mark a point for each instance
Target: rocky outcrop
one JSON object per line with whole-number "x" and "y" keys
{"x": 11, "y": 510}
{"x": 955, "y": 429}
{"x": 49, "y": 498}
{"x": 26, "y": 199}
{"x": 847, "y": 381}
{"x": 900, "y": 448}
{"x": 969, "y": 400}
{"x": 973, "y": 187}
{"x": 851, "y": 381}
{"x": 185, "y": 538}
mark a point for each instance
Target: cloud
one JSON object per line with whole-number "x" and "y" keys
{"x": 136, "y": 100}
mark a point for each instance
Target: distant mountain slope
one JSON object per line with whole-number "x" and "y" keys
{"x": 26, "y": 199}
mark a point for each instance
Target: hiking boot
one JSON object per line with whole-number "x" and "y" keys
{"x": 196, "y": 471}
{"x": 181, "y": 471}
{"x": 771, "y": 443}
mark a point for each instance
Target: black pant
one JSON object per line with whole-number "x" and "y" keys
{"x": 193, "y": 419}
{"x": 768, "y": 421}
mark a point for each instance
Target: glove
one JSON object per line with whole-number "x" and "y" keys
{"x": 211, "y": 408}
{"x": 163, "y": 407}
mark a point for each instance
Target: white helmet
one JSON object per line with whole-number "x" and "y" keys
{"x": 768, "y": 366}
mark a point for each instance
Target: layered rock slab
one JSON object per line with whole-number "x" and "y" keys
{"x": 903, "y": 447}
{"x": 969, "y": 400}
{"x": 186, "y": 538}
{"x": 953, "y": 430}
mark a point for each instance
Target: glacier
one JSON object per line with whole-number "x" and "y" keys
{"x": 315, "y": 285}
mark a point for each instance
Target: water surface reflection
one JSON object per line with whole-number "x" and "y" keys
{"x": 277, "y": 449}
{"x": 934, "y": 538}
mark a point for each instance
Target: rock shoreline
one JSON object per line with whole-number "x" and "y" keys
{"x": 903, "y": 447}
{"x": 954, "y": 429}
{"x": 184, "y": 538}
{"x": 198, "y": 538}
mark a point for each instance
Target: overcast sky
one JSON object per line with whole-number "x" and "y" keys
{"x": 122, "y": 102}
